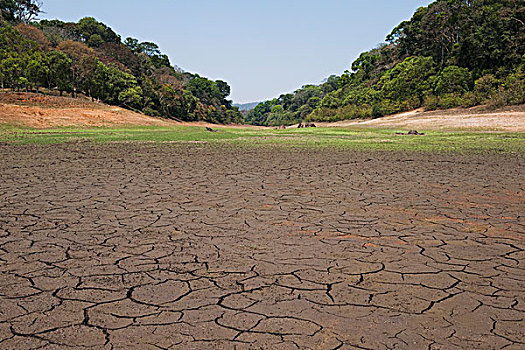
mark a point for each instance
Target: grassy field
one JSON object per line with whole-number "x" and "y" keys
{"x": 353, "y": 138}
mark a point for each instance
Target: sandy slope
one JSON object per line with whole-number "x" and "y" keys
{"x": 510, "y": 119}
{"x": 41, "y": 111}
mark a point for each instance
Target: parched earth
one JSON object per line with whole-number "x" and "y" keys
{"x": 145, "y": 246}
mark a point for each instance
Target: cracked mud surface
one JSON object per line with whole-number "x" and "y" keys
{"x": 194, "y": 247}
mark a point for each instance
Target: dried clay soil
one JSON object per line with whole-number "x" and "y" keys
{"x": 142, "y": 246}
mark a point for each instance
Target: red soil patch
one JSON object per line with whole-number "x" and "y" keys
{"x": 42, "y": 111}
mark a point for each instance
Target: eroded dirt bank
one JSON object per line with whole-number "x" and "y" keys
{"x": 123, "y": 246}
{"x": 507, "y": 119}
{"x": 43, "y": 111}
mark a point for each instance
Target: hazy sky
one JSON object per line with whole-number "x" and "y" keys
{"x": 262, "y": 48}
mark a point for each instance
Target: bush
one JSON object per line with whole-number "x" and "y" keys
{"x": 498, "y": 99}
{"x": 450, "y": 100}
{"x": 408, "y": 79}
{"x": 486, "y": 86}
{"x": 377, "y": 111}
{"x": 431, "y": 102}
{"x": 515, "y": 87}
{"x": 453, "y": 79}
{"x": 470, "y": 99}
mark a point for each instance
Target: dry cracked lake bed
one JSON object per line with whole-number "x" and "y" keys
{"x": 173, "y": 246}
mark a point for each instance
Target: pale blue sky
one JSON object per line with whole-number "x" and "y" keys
{"x": 261, "y": 48}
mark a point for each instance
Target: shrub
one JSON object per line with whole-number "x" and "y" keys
{"x": 449, "y": 100}
{"x": 486, "y": 86}
{"x": 431, "y": 102}
{"x": 453, "y": 79}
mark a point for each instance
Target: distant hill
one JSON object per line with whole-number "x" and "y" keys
{"x": 451, "y": 53}
{"x": 88, "y": 58}
{"x": 246, "y": 106}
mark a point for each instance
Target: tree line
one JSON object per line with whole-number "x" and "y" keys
{"x": 89, "y": 58}
{"x": 452, "y": 53}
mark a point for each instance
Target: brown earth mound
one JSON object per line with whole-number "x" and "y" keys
{"x": 43, "y": 111}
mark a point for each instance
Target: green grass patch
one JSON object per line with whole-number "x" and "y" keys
{"x": 352, "y": 138}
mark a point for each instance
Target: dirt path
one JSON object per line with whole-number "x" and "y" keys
{"x": 510, "y": 119}
{"x": 196, "y": 247}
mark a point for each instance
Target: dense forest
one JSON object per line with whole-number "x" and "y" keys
{"x": 89, "y": 58}
{"x": 452, "y": 53}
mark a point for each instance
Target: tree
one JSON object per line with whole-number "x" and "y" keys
{"x": 86, "y": 76}
{"x": 8, "y": 10}
{"x": 365, "y": 64}
{"x": 59, "y": 71}
{"x": 13, "y": 43}
{"x": 119, "y": 55}
{"x": 95, "y": 33}
{"x": 118, "y": 82}
{"x": 453, "y": 79}
{"x": 15, "y": 51}
{"x": 331, "y": 84}
{"x": 99, "y": 78}
{"x": 57, "y": 31}
{"x": 132, "y": 44}
{"x": 130, "y": 97}
{"x": 160, "y": 61}
{"x": 37, "y": 69}
{"x": 486, "y": 85}
{"x": 95, "y": 40}
{"x": 79, "y": 54}
{"x": 408, "y": 79}
{"x": 33, "y": 33}
{"x": 223, "y": 88}
{"x": 12, "y": 69}
{"x": 277, "y": 109}
{"x": 20, "y": 10}
{"x": 150, "y": 49}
